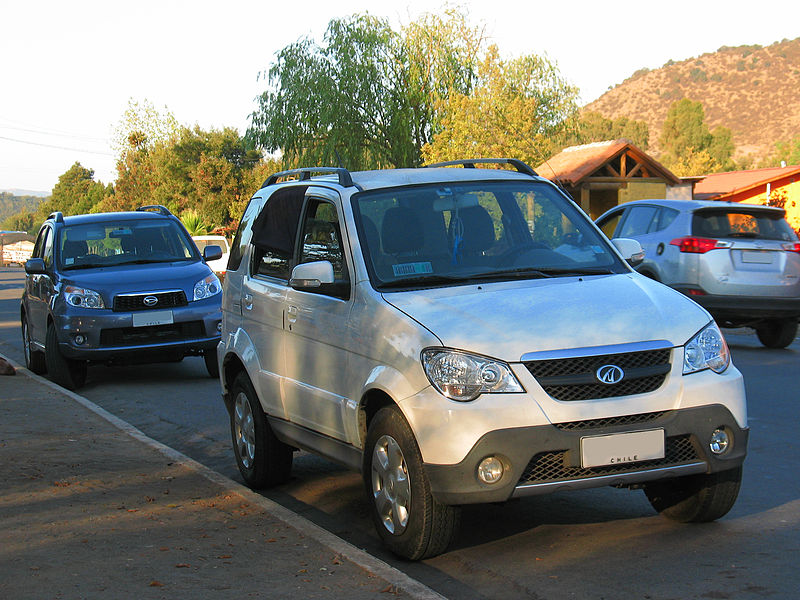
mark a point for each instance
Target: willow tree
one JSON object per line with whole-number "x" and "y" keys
{"x": 367, "y": 96}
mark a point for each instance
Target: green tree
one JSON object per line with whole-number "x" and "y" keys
{"x": 517, "y": 108}
{"x": 367, "y": 95}
{"x": 75, "y": 193}
{"x": 594, "y": 127}
{"x": 785, "y": 152}
{"x": 687, "y": 141}
{"x": 194, "y": 223}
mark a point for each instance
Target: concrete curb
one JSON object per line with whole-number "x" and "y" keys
{"x": 366, "y": 561}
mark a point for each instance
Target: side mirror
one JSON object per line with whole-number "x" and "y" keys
{"x": 212, "y": 253}
{"x": 631, "y": 250}
{"x": 312, "y": 274}
{"x": 35, "y": 266}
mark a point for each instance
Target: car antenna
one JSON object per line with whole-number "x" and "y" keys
{"x": 339, "y": 159}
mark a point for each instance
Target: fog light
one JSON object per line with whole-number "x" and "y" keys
{"x": 720, "y": 440}
{"x": 219, "y": 327}
{"x": 80, "y": 339}
{"x": 490, "y": 470}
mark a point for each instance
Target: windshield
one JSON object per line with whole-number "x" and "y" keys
{"x": 740, "y": 222}
{"x": 481, "y": 231}
{"x": 105, "y": 244}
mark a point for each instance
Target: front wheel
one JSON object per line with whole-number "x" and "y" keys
{"x": 66, "y": 372}
{"x": 696, "y": 498}
{"x": 409, "y": 520}
{"x": 263, "y": 460}
{"x": 777, "y": 333}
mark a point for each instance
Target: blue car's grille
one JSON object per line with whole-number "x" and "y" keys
{"x": 156, "y": 334}
{"x": 130, "y": 302}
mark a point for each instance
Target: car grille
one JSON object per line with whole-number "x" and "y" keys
{"x": 553, "y": 466}
{"x": 570, "y": 379}
{"x": 155, "y": 334}
{"x": 610, "y": 421}
{"x": 130, "y": 302}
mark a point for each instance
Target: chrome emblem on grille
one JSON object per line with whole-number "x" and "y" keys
{"x": 150, "y": 300}
{"x": 609, "y": 374}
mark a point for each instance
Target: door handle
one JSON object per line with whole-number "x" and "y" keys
{"x": 660, "y": 248}
{"x": 248, "y": 302}
{"x": 291, "y": 314}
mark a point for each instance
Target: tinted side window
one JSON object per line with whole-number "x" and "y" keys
{"x": 41, "y": 239}
{"x": 47, "y": 249}
{"x": 663, "y": 220}
{"x": 275, "y": 233}
{"x": 638, "y": 221}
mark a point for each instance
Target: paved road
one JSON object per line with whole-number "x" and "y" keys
{"x": 592, "y": 544}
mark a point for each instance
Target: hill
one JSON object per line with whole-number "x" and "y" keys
{"x": 752, "y": 90}
{"x": 11, "y": 204}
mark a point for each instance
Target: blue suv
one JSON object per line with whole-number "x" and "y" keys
{"x": 118, "y": 288}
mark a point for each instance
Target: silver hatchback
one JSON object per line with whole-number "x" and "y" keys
{"x": 741, "y": 262}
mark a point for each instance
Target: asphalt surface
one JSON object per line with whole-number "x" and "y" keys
{"x": 92, "y": 508}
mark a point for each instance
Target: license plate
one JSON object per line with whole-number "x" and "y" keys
{"x": 763, "y": 257}
{"x": 152, "y": 317}
{"x": 602, "y": 450}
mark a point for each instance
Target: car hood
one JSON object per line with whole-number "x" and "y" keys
{"x": 126, "y": 279}
{"x": 507, "y": 320}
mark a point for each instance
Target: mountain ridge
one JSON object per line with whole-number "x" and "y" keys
{"x": 751, "y": 90}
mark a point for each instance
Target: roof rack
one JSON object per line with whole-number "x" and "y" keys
{"x": 56, "y": 216}
{"x": 520, "y": 166}
{"x": 305, "y": 173}
{"x": 160, "y": 209}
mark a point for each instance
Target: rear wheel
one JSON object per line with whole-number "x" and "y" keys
{"x": 263, "y": 460}
{"x": 34, "y": 360}
{"x": 66, "y": 372}
{"x": 696, "y": 498}
{"x": 409, "y": 520}
{"x": 777, "y": 333}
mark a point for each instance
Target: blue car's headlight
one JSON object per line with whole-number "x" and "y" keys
{"x": 82, "y": 297}
{"x": 207, "y": 287}
{"x": 706, "y": 350}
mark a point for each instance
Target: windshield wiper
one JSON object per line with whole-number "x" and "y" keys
{"x": 424, "y": 280}
{"x": 519, "y": 273}
{"x": 147, "y": 261}
{"x": 743, "y": 234}
{"x": 85, "y": 266}
{"x": 579, "y": 271}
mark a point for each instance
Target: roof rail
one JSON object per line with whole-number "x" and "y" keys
{"x": 160, "y": 209}
{"x": 470, "y": 164}
{"x": 56, "y": 216}
{"x": 305, "y": 173}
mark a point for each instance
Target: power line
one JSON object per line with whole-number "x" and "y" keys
{"x": 53, "y": 132}
{"x": 39, "y": 129}
{"x": 2, "y": 137}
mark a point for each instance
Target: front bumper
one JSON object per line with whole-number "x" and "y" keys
{"x": 110, "y": 335}
{"x": 547, "y": 458}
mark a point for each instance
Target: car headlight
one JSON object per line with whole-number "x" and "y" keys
{"x": 205, "y": 288}
{"x": 706, "y": 350}
{"x": 82, "y": 297}
{"x": 463, "y": 377}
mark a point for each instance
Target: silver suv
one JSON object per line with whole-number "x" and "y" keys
{"x": 457, "y": 335}
{"x": 741, "y": 262}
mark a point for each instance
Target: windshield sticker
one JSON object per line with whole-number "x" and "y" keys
{"x": 418, "y": 268}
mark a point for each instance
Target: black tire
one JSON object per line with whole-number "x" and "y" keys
{"x": 696, "y": 498}
{"x": 409, "y": 520}
{"x": 66, "y": 372}
{"x": 263, "y": 460}
{"x": 777, "y": 333}
{"x": 210, "y": 358}
{"x": 34, "y": 360}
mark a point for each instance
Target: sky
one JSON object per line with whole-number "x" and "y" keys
{"x": 69, "y": 69}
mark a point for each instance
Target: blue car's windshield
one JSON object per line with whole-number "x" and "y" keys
{"x": 496, "y": 230}
{"x": 104, "y": 244}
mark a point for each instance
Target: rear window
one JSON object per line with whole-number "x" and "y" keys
{"x": 738, "y": 223}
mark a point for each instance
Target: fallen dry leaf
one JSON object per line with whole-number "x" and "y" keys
{"x": 156, "y": 584}
{"x": 182, "y": 566}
